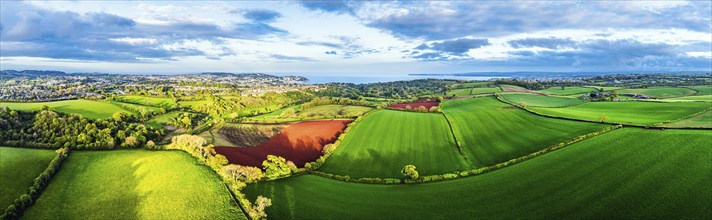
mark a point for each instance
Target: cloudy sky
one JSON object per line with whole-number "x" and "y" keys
{"x": 355, "y": 37}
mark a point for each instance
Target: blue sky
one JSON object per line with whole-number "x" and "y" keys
{"x": 355, "y": 37}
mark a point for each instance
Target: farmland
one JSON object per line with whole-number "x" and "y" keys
{"x": 702, "y": 90}
{"x": 630, "y": 112}
{"x": 243, "y": 135}
{"x": 300, "y": 143}
{"x": 498, "y": 133}
{"x": 148, "y": 101}
{"x": 134, "y": 184}
{"x": 19, "y": 168}
{"x": 661, "y": 92}
{"x": 703, "y": 120}
{"x": 473, "y": 91}
{"x": 572, "y": 90}
{"x": 699, "y": 98}
{"x": 425, "y": 102}
{"x": 87, "y": 108}
{"x": 652, "y": 169}
{"x": 529, "y": 99}
{"x": 316, "y": 112}
{"x": 420, "y": 139}
{"x": 162, "y": 121}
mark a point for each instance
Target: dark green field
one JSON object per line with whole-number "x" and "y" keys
{"x": 568, "y": 90}
{"x": 385, "y": 141}
{"x": 491, "y": 132}
{"x": 625, "y": 174}
{"x": 18, "y": 168}
{"x": 134, "y": 184}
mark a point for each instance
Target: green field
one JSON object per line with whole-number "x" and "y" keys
{"x": 149, "y": 101}
{"x": 660, "y": 92}
{"x": 629, "y": 112}
{"x": 193, "y": 104}
{"x": 491, "y": 132}
{"x": 626, "y": 174}
{"x": 134, "y": 184}
{"x": 18, "y": 169}
{"x": 161, "y": 121}
{"x": 473, "y": 91}
{"x": 87, "y": 108}
{"x": 703, "y": 120}
{"x": 697, "y": 98}
{"x": 702, "y": 90}
{"x": 316, "y": 112}
{"x": 530, "y": 99}
{"x": 275, "y": 114}
{"x": 471, "y": 85}
{"x": 385, "y": 141}
{"x": 568, "y": 90}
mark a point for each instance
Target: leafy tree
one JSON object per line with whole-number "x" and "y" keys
{"x": 260, "y": 205}
{"x": 245, "y": 174}
{"x": 602, "y": 117}
{"x": 287, "y": 113}
{"x": 410, "y": 172}
{"x": 276, "y": 166}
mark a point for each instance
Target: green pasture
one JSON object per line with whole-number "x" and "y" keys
{"x": 491, "y": 132}
{"x": 703, "y": 120}
{"x": 473, "y": 91}
{"x": 383, "y": 142}
{"x": 568, "y": 90}
{"x": 702, "y": 90}
{"x": 149, "y": 101}
{"x": 529, "y": 99}
{"x": 625, "y": 174}
{"x": 660, "y": 92}
{"x": 628, "y": 112}
{"x": 18, "y": 169}
{"x": 134, "y": 184}
{"x": 87, "y": 108}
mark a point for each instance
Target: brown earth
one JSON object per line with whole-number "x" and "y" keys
{"x": 300, "y": 143}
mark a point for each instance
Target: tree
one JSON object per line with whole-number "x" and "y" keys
{"x": 118, "y": 116}
{"x": 131, "y": 141}
{"x": 276, "y": 166}
{"x": 602, "y": 117}
{"x": 150, "y": 144}
{"x": 242, "y": 173}
{"x": 422, "y": 109}
{"x": 434, "y": 109}
{"x": 288, "y": 112}
{"x": 410, "y": 172}
{"x": 261, "y": 203}
{"x": 522, "y": 104}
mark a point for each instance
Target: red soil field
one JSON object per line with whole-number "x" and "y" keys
{"x": 427, "y": 102}
{"x": 300, "y": 143}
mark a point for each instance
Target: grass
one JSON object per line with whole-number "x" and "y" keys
{"x": 277, "y": 113}
{"x": 699, "y": 98}
{"x": 383, "y": 142}
{"x": 530, "y": 99}
{"x": 703, "y": 120}
{"x": 660, "y": 92}
{"x": 569, "y": 90}
{"x": 87, "y": 108}
{"x": 134, "y": 184}
{"x": 473, "y": 91}
{"x": 149, "y": 101}
{"x": 193, "y": 104}
{"x": 702, "y": 90}
{"x": 626, "y": 174}
{"x": 160, "y": 122}
{"x": 136, "y": 106}
{"x": 19, "y": 167}
{"x": 316, "y": 112}
{"x": 630, "y": 112}
{"x": 471, "y": 84}
{"x": 490, "y": 132}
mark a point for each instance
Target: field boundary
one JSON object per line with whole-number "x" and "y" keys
{"x": 236, "y": 201}
{"x": 457, "y": 143}
{"x": 15, "y": 210}
{"x": 683, "y": 118}
{"x": 565, "y": 106}
{"x": 466, "y": 173}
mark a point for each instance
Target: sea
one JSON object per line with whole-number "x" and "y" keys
{"x": 374, "y": 78}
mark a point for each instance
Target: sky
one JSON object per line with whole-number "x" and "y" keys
{"x": 356, "y": 37}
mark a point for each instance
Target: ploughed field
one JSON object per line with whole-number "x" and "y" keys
{"x": 425, "y": 102}
{"x": 134, "y": 184}
{"x": 627, "y": 112}
{"x": 629, "y": 173}
{"x": 87, "y": 108}
{"x": 383, "y": 142}
{"x": 492, "y": 132}
{"x": 300, "y": 143}
{"x": 242, "y": 135}
{"x": 18, "y": 169}
{"x": 529, "y": 99}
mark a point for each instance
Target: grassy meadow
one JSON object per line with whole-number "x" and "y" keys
{"x": 383, "y": 142}
{"x": 703, "y": 120}
{"x": 18, "y": 169}
{"x": 87, "y": 108}
{"x": 660, "y": 92}
{"x": 568, "y": 90}
{"x": 149, "y": 101}
{"x": 702, "y": 90}
{"x": 629, "y": 173}
{"x": 490, "y": 132}
{"x": 134, "y": 184}
{"x": 472, "y": 91}
{"x": 530, "y": 99}
{"x": 696, "y": 98}
{"x": 630, "y": 112}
